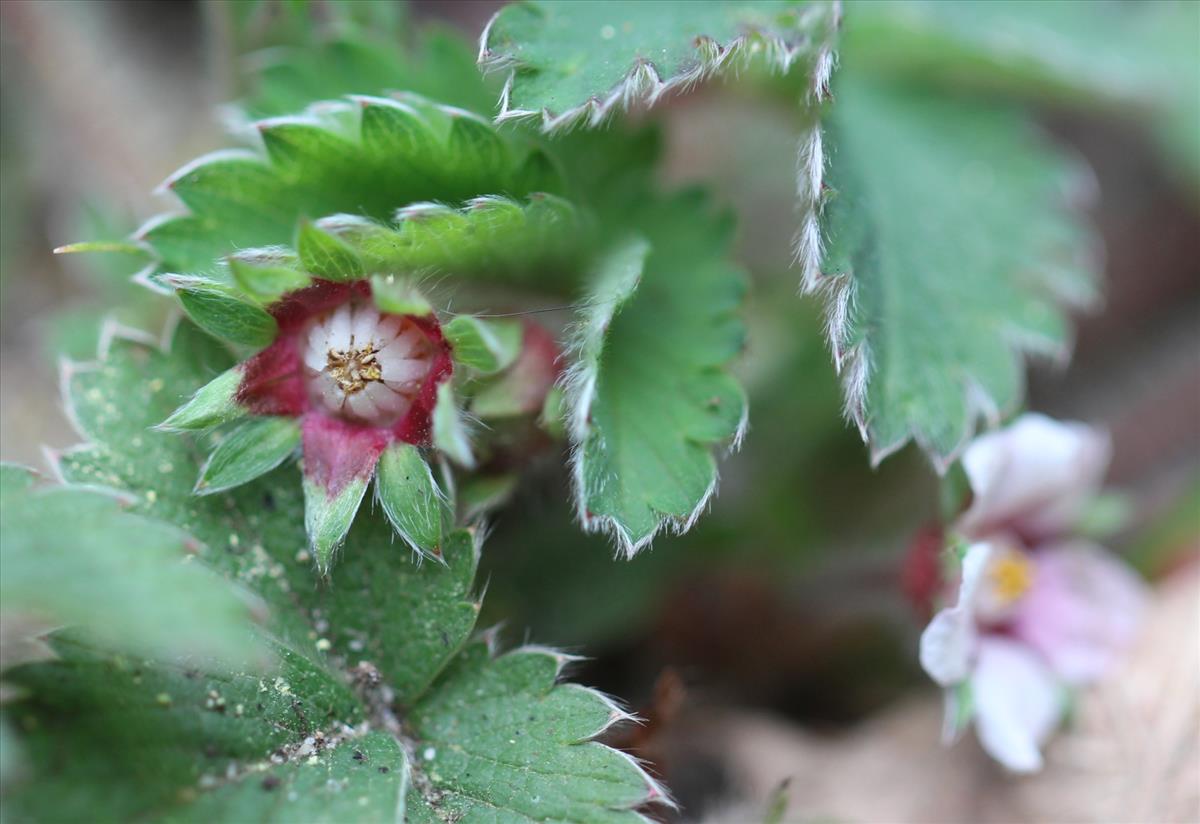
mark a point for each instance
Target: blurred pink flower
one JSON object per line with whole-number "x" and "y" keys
{"x": 1037, "y": 612}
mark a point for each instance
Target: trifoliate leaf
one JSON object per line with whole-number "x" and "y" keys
{"x": 484, "y": 345}
{"x": 220, "y": 312}
{"x": 406, "y": 490}
{"x": 325, "y": 256}
{"x": 75, "y": 557}
{"x": 159, "y": 740}
{"x": 251, "y": 449}
{"x": 573, "y": 63}
{"x": 951, "y": 245}
{"x": 649, "y": 392}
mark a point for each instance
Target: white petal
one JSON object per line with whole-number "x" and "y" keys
{"x": 363, "y": 324}
{"x": 362, "y": 406}
{"x": 404, "y": 345}
{"x": 338, "y": 326}
{"x": 946, "y": 646}
{"x": 1018, "y": 703}
{"x": 388, "y": 329}
{"x": 388, "y": 402}
{"x": 1034, "y": 475}
{"x": 1083, "y": 610}
{"x": 948, "y": 643}
{"x": 331, "y": 394}
{"x": 315, "y": 358}
{"x": 318, "y": 337}
{"x": 399, "y": 371}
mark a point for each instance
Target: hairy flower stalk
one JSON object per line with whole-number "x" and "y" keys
{"x": 1038, "y": 612}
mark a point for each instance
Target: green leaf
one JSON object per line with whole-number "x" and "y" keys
{"x": 484, "y": 345}
{"x": 500, "y": 741}
{"x": 492, "y": 238}
{"x": 251, "y": 449}
{"x": 115, "y": 739}
{"x": 1135, "y": 60}
{"x": 574, "y": 62}
{"x": 213, "y": 404}
{"x": 649, "y": 392}
{"x": 449, "y": 431}
{"x": 362, "y": 779}
{"x": 325, "y": 256}
{"x": 365, "y": 157}
{"x": 74, "y": 557}
{"x": 353, "y": 58}
{"x": 951, "y": 245}
{"x": 399, "y": 296}
{"x": 410, "y": 498}
{"x": 219, "y": 312}
{"x": 267, "y": 274}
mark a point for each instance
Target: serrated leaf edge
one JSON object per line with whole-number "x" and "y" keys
{"x": 838, "y": 292}
{"x": 643, "y": 84}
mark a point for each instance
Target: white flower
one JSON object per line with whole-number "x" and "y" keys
{"x": 1034, "y": 476}
{"x": 1034, "y": 614}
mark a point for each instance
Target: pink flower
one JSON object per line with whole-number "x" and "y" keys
{"x": 1037, "y": 613}
{"x": 358, "y": 379}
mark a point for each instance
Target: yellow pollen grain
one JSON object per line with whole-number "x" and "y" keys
{"x": 1011, "y": 575}
{"x": 353, "y": 369}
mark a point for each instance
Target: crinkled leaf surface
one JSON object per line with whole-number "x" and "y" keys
{"x": 501, "y": 742}
{"x": 651, "y": 395}
{"x": 575, "y": 61}
{"x": 366, "y": 157}
{"x": 386, "y": 635}
{"x": 951, "y": 244}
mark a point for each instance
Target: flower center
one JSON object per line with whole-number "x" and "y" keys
{"x": 365, "y": 366}
{"x": 352, "y": 370}
{"x": 1011, "y": 576}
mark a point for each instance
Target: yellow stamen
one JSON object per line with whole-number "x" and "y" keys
{"x": 353, "y": 369}
{"x": 1011, "y": 575}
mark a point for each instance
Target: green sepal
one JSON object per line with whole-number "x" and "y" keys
{"x": 219, "y": 311}
{"x": 254, "y": 448}
{"x": 553, "y": 418}
{"x": 399, "y": 296}
{"x": 480, "y": 495}
{"x": 449, "y": 433}
{"x": 267, "y": 274}
{"x": 327, "y": 518}
{"x": 327, "y": 256}
{"x": 484, "y": 345}
{"x": 410, "y": 498}
{"x": 213, "y": 404}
